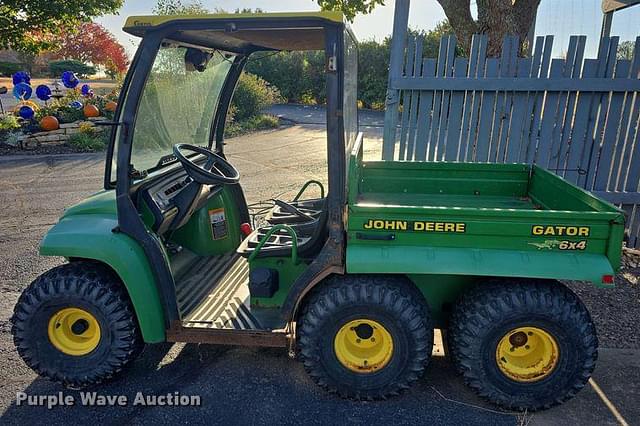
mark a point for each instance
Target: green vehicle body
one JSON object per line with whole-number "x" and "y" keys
{"x": 491, "y": 211}
{"x": 442, "y": 225}
{"x": 353, "y": 280}
{"x": 85, "y": 231}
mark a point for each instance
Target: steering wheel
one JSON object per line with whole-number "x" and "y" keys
{"x": 216, "y": 170}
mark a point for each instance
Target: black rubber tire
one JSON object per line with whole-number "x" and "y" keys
{"x": 387, "y": 300}
{"x": 490, "y": 310}
{"x": 93, "y": 288}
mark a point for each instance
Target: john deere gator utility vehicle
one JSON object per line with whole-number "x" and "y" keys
{"x": 352, "y": 282}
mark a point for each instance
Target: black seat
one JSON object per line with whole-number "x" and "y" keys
{"x": 310, "y": 232}
{"x": 312, "y": 208}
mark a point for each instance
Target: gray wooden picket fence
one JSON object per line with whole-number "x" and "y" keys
{"x": 577, "y": 117}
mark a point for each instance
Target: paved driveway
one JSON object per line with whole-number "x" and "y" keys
{"x": 236, "y": 385}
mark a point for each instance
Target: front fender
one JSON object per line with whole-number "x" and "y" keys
{"x": 90, "y": 236}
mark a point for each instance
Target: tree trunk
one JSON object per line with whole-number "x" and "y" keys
{"x": 496, "y": 18}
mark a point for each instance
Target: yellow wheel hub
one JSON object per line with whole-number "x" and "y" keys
{"x": 527, "y": 354}
{"x": 363, "y": 346}
{"x": 74, "y": 331}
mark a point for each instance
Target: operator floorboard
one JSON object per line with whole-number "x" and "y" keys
{"x": 216, "y": 294}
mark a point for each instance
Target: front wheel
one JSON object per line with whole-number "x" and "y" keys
{"x": 365, "y": 337}
{"x": 523, "y": 345}
{"x": 75, "y": 325}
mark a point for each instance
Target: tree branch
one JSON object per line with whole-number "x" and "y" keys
{"x": 525, "y": 11}
{"x": 459, "y": 15}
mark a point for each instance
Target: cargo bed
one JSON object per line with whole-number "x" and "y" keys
{"x": 478, "y": 219}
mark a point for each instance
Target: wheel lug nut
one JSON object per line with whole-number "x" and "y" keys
{"x": 512, "y": 349}
{"x": 357, "y": 340}
{"x": 373, "y": 339}
{"x": 530, "y": 333}
{"x": 526, "y": 346}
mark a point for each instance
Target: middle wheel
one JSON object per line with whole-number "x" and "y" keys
{"x": 365, "y": 337}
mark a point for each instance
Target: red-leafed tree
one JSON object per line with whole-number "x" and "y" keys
{"x": 93, "y": 43}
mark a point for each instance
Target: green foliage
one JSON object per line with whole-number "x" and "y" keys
{"x": 27, "y": 25}
{"x": 350, "y": 7}
{"x": 248, "y": 10}
{"x": 298, "y": 75}
{"x": 373, "y": 73}
{"x": 10, "y": 138}
{"x": 7, "y": 69}
{"x": 88, "y": 141}
{"x": 66, "y": 114}
{"x": 58, "y": 67}
{"x": 9, "y": 127}
{"x": 177, "y": 7}
{"x": 47, "y": 110}
{"x": 252, "y": 96}
{"x": 111, "y": 69}
{"x": 625, "y": 49}
{"x": 8, "y": 122}
{"x": 252, "y": 124}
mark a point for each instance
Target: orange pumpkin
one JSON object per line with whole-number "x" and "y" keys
{"x": 111, "y": 106}
{"x": 49, "y": 123}
{"x": 91, "y": 111}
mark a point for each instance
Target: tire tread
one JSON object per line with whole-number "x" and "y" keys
{"x": 340, "y": 291}
{"x": 88, "y": 281}
{"x": 488, "y": 302}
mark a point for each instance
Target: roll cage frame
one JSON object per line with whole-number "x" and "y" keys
{"x": 331, "y": 257}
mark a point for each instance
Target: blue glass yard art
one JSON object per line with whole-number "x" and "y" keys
{"x": 69, "y": 79}
{"x": 85, "y": 90}
{"x": 76, "y": 105}
{"x": 43, "y": 92}
{"x": 21, "y": 77}
{"x": 26, "y": 112}
{"x": 22, "y": 91}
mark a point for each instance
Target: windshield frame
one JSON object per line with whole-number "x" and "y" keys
{"x": 135, "y": 81}
{"x": 121, "y": 143}
{"x": 173, "y": 116}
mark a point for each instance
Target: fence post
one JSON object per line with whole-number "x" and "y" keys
{"x": 398, "y": 44}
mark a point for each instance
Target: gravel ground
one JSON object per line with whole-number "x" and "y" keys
{"x": 616, "y": 311}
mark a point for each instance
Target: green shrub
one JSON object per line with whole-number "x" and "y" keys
{"x": 7, "y": 69}
{"x": 9, "y": 129}
{"x": 9, "y": 122}
{"x": 67, "y": 114}
{"x": 10, "y": 138}
{"x": 253, "y": 124}
{"x": 373, "y": 73}
{"x": 298, "y": 75}
{"x": 86, "y": 141}
{"x": 58, "y": 67}
{"x": 252, "y": 96}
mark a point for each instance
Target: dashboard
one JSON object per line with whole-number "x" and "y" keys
{"x": 172, "y": 199}
{"x": 162, "y": 194}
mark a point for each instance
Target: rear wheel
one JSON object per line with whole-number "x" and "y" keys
{"x": 523, "y": 345}
{"x": 365, "y": 337}
{"x": 75, "y": 325}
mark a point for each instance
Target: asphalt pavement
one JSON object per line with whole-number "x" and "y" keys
{"x": 238, "y": 385}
